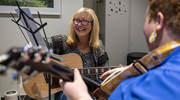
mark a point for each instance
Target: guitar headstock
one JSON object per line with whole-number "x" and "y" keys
{"x": 32, "y": 62}
{"x": 14, "y": 58}
{"x": 8, "y": 58}
{"x": 12, "y": 54}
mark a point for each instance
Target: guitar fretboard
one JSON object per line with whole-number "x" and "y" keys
{"x": 94, "y": 70}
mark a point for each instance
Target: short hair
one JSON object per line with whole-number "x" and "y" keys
{"x": 171, "y": 11}
{"x": 94, "y": 35}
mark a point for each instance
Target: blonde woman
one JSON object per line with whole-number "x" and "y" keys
{"x": 82, "y": 39}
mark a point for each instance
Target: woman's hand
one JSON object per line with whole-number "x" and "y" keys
{"x": 76, "y": 90}
{"x": 107, "y": 73}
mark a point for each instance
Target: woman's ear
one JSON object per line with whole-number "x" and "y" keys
{"x": 160, "y": 21}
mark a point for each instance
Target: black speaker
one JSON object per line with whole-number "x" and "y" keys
{"x": 134, "y": 56}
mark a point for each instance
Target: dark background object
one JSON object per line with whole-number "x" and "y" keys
{"x": 134, "y": 56}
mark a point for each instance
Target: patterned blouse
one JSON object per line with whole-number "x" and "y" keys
{"x": 94, "y": 58}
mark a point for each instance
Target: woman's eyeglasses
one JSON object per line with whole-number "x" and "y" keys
{"x": 83, "y": 22}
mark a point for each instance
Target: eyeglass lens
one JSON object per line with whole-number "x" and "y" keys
{"x": 83, "y": 22}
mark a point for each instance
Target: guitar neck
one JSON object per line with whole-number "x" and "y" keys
{"x": 95, "y": 70}
{"x": 54, "y": 67}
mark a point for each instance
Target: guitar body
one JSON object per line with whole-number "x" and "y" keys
{"x": 36, "y": 87}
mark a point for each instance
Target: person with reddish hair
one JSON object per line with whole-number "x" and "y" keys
{"x": 158, "y": 72}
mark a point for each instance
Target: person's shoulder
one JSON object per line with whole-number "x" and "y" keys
{"x": 176, "y": 51}
{"x": 59, "y": 37}
{"x": 63, "y": 36}
{"x": 174, "y": 55}
{"x": 173, "y": 59}
{"x": 101, "y": 45}
{"x": 101, "y": 49}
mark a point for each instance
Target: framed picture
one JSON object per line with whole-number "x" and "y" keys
{"x": 44, "y": 7}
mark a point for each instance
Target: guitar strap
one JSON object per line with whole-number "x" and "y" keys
{"x": 149, "y": 61}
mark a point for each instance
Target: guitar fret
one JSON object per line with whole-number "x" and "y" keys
{"x": 95, "y": 70}
{"x": 88, "y": 71}
{"x": 102, "y": 70}
{"x": 82, "y": 71}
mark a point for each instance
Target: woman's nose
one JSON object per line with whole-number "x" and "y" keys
{"x": 80, "y": 24}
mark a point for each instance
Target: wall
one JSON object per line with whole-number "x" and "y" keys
{"x": 11, "y": 35}
{"x": 121, "y": 32}
{"x": 117, "y": 30}
{"x": 137, "y": 18}
{"x": 126, "y": 35}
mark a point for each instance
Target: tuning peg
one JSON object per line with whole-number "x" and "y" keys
{"x": 44, "y": 56}
{"x": 20, "y": 69}
{"x": 3, "y": 71}
{"x": 27, "y": 46}
{"x": 50, "y": 51}
{"x": 24, "y": 69}
{"x": 13, "y": 55}
{"x": 3, "y": 57}
{"x": 35, "y": 53}
{"x": 16, "y": 75}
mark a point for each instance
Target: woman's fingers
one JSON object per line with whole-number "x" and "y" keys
{"x": 107, "y": 73}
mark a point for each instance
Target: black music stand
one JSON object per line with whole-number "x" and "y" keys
{"x": 23, "y": 16}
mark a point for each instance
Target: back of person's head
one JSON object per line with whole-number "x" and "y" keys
{"x": 94, "y": 34}
{"x": 171, "y": 11}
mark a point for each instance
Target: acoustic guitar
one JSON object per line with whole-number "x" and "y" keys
{"x": 36, "y": 86}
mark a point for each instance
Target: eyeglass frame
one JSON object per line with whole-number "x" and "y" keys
{"x": 80, "y": 21}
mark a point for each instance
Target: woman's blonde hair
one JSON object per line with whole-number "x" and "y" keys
{"x": 171, "y": 11}
{"x": 94, "y": 33}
